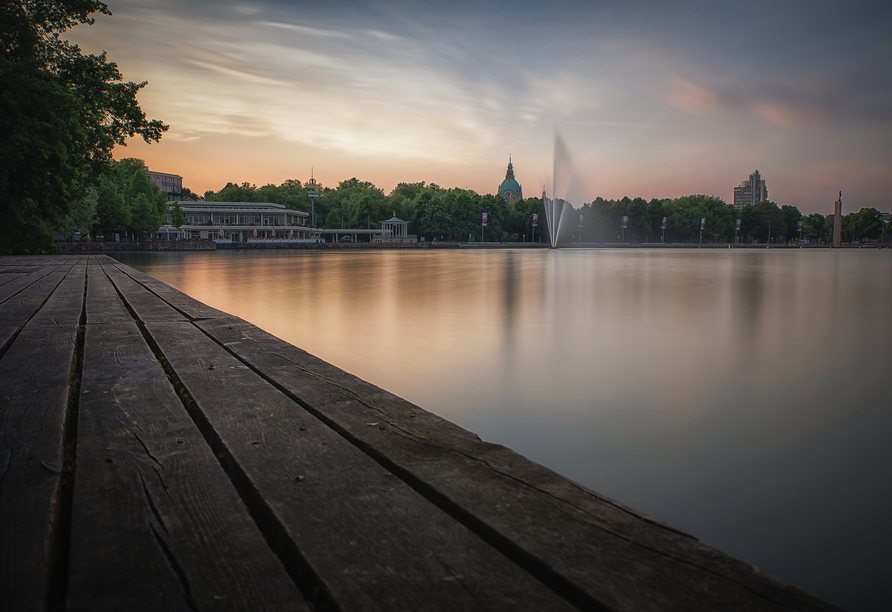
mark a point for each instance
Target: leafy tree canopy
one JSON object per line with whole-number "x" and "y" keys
{"x": 129, "y": 200}
{"x": 63, "y": 113}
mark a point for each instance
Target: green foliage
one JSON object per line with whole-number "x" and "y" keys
{"x": 42, "y": 156}
{"x": 332, "y": 221}
{"x": 813, "y": 228}
{"x": 455, "y": 214}
{"x": 177, "y": 216}
{"x": 763, "y": 222}
{"x": 31, "y": 29}
{"x": 792, "y": 216}
{"x": 129, "y": 200}
{"x": 234, "y": 193}
{"x": 187, "y": 194}
{"x": 520, "y": 219}
{"x": 62, "y": 114}
{"x": 82, "y": 216}
{"x": 290, "y": 194}
{"x": 862, "y": 225}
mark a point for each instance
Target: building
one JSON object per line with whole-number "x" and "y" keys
{"x": 751, "y": 191}
{"x": 394, "y": 230}
{"x": 510, "y": 189}
{"x": 171, "y": 184}
{"x": 238, "y": 222}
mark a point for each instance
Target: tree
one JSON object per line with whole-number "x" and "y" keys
{"x": 119, "y": 189}
{"x": 62, "y": 114}
{"x": 862, "y": 225}
{"x": 42, "y": 155}
{"x": 145, "y": 215}
{"x": 187, "y": 194}
{"x": 111, "y": 211}
{"x": 245, "y": 192}
{"x": 792, "y": 216}
{"x": 82, "y": 216}
{"x": 332, "y": 221}
{"x": 772, "y": 222}
{"x": 177, "y": 216}
{"x": 813, "y": 227}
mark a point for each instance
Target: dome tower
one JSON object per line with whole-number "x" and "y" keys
{"x": 510, "y": 189}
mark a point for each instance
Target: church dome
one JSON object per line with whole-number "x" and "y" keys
{"x": 509, "y": 183}
{"x": 510, "y": 189}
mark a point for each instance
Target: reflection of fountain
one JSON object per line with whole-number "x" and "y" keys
{"x": 555, "y": 207}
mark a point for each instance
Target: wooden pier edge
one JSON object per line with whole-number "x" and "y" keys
{"x": 157, "y": 453}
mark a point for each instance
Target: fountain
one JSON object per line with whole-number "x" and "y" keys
{"x": 555, "y": 207}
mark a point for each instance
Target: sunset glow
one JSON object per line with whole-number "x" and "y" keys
{"x": 652, "y": 99}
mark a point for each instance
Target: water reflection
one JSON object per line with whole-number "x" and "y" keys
{"x": 737, "y": 395}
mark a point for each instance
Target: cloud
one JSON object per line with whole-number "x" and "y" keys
{"x": 241, "y": 74}
{"x": 382, "y": 35}
{"x": 691, "y": 98}
{"x": 645, "y": 95}
{"x": 305, "y": 30}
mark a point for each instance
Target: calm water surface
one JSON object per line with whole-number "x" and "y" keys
{"x": 742, "y": 396}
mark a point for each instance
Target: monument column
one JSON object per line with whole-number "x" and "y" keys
{"x": 837, "y": 222}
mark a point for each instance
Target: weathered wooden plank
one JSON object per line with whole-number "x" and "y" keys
{"x": 15, "y": 311}
{"x": 10, "y": 289}
{"x": 592, "y": 549}
{"x": 34, "y": 386}
{"x": 373, "y": 541}
{"x": 156, "y": 523}
{"x": 6, "y": 276}
{"x": 150, "y": 307}
{"x": 184, "y": 303}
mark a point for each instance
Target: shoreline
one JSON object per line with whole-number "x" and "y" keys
{"x": 95, "y": 248}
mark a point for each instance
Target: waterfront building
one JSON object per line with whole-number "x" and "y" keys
{"x": 238, "y": 222}
{"x": 751, "y": 191}
{"x": 171, "y": 184}
{"x": 510, "y": 189}
{"x": 394, "y": 230}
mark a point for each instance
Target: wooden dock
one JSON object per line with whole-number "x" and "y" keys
{"x": 158, "y": 454}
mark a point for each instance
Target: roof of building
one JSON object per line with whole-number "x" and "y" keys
{"x": 190, "y": 206}
{"x": 509, "y": 183}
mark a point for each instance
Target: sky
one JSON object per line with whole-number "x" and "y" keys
{"x": 650, "y": 98}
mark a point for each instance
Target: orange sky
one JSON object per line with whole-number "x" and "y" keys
{"x": 661, "y": 102}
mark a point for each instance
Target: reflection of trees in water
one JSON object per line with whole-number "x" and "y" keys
{"x": 509, "y": 301}
{"x": 748, "y": 296}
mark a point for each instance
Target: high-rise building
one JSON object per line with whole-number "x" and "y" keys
{"x": 751, "y": 191}
{"x": 510, "y": 189}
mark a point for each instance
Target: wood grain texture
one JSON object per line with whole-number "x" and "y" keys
{"x": 156, "y": 523}
{"x": 372, "y": 540}
{"x": 10, "y": 289}
{"x": 18, "y": 308}
{"x": 151, "y": 308}
{"x": 191, "y": 307}
{"x": 7, "y": 275}
{"x": 34, "y": 384}
{"x": 596, "y": 547}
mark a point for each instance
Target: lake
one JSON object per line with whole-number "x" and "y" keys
{"x": 740, "y": 395}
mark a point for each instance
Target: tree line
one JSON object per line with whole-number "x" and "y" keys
{"x": 436, "y": 213}
{"x": 62, "y": 113}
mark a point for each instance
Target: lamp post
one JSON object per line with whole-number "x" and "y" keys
{"x": 769, "y": 231}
